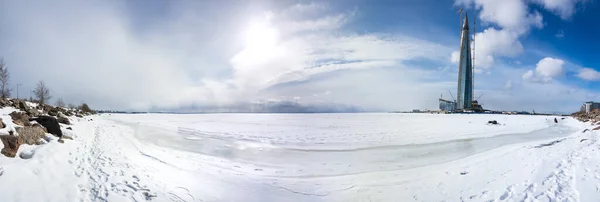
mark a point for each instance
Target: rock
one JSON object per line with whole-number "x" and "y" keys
{"x": 37, "y": 125}
{"x": 11, "y": 145}
{"x": 53, "y": 112}
{"x": 50, "y": 123}
{"x": 69, "y": 128}
{"x": 2, "y": 125}
{"x": 4, "y": 102}
{"x": 68, "y": 113}
{"x": 33, "y": 112}
{"x": 78, "y": 115}
{"x": 23, "y": 106}
{"x": 31, "y": 135}
{"x": 27, "y": 154}
{"x": 16, "y": 103}
{"x": 493, "y": 122}
{"x": 20, "y": 118}
{"x": 61, "y": 140}
{"x": 596, "y": 128}
{"x": 63, "y": 120}
{"x": 18, "y": 122}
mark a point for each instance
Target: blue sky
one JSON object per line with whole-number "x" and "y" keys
{"x": 370, "y": 55}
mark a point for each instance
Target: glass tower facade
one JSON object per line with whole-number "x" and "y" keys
{"x": 465, "y": 70}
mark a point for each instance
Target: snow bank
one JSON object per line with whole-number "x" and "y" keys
{"x": 310, "y": 157}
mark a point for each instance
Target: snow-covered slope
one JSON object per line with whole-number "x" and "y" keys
{"x": 311, "y": 157}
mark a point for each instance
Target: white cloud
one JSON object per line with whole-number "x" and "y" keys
{"x": 562, "y": 8}
{"x": 493, "y": 42}
{"x": 588, "y": 74}
{"x": 550, "y": 67}
{"x": 528, "y": 75}
{"x": 455, "y": 57}
{"x": 508, "y": 14}
{"x": 546, "y": 70}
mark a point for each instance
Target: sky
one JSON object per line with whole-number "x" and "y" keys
{"x": 301, "y": 56}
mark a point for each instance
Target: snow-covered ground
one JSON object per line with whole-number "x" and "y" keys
{"x": 311, "y": 157}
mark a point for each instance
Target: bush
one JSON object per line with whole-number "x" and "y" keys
{"x": 85, "y": 108}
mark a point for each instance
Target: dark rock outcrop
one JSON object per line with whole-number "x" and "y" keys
{"x": 53, "y": 112}
{"x": 50, "y": 123}
{"x": 63, "y": 120}
{"x": 23, "y": 106}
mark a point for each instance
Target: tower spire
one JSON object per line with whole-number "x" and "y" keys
{"x": 465, "y": 69}
{"x": 466, "y": 22}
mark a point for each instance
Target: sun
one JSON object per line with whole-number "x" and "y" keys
{"x": 259, "y": 36}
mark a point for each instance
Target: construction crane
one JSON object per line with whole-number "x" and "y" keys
{"x": 479, "y": 96}
{"x": 454, "y": 100}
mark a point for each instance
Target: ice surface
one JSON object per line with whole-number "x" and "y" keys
{"x": 310, "y": 157}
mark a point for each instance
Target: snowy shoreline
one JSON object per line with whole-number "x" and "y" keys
{"x": 282, "y": 158}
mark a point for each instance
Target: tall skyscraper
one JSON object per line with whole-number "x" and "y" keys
{"x": 465, "y": 70}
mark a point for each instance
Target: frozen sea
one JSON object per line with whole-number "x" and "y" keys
{"x": 320, "y": 157}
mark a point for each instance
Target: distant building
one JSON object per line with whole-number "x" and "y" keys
{"x": 446, "y": 105}
{"x": 464, "y": 96}
{"x": 589, "y": 106}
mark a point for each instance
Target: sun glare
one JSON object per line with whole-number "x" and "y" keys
{"x": 260, "y": 36}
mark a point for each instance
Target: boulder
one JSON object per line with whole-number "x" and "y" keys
{"x": 11, "y": 145}
{"x": 63, "y": 120}
{"x": 32, "y": 135}
{"x": 20, "y": 118}
{"x": 33, "y": 112}
{"x": 37, "y": 125}
{"x": 69, "y": 113}
{"x": 53, "y": 112}
{"x": 16, "y": 103}
{"x": 4, "y": 102}
{"x": 23, "y": 106}
{"x": 26, "y": 154}
{"x": 50, "y": 123}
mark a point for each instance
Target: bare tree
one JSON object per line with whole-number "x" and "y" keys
{"x": 4, "y": 76}
{"x": 60, "y": 102}
{"x": 42, "y": 93}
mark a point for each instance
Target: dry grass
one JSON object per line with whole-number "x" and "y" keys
{"x": 31, "y": 135}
